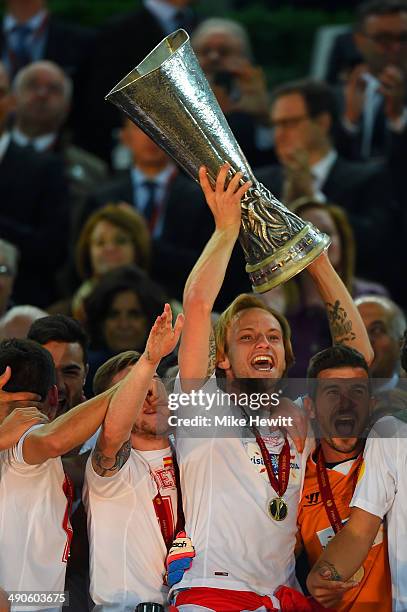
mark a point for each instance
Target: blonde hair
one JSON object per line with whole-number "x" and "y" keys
{"x": 245, "y": 301}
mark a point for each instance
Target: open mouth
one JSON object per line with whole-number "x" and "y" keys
{"x": 345, "y": 426}
{"x": 262, "y": 363}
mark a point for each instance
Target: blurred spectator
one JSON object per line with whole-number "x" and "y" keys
{"x": 343, "y": 57}
{"x": 302, "y": 113}
{"x": 224, "y": 52}
{"x": 119, "y": 312}
{"x": 385, "y": 324}
{"x": 33, "y": 212}
{"x": 30, "y": 33}
{"x": 43, "y": 95}
{"x": 172, "y": 205}
{"x": 303, "y": 306}
{"x": 18, "y": 320}
{"x": 375, "y": 94}
{"x": 121, "y": 45}
{"x": 8, "y": 273}
{"x": 112, "y": 237}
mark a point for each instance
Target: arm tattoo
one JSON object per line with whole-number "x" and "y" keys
{"x": 100, "y": 460}
{"x": 325, "y": 565}
{"x": 211, "y": 355}
{"x": 340, "y": 325}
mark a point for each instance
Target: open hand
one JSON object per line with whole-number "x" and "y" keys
{"x": 163, "y": 336}
{"x": 224, "y": 200}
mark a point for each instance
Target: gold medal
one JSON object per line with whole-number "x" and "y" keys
{"x": 277, "y": 509}
{"x": 358, "y": 575}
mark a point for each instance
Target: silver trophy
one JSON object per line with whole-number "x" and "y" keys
{"x": 167, "y": 95}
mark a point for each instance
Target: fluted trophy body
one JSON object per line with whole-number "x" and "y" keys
{"x": 167, "y": 95}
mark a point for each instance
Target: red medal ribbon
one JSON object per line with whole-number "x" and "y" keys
{"x": 280, "y": 485}
{"x": 326, "y": 491}
{"x": 68, "y": 490}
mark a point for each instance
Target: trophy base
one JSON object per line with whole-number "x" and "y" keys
{"x": 288, "y": 260}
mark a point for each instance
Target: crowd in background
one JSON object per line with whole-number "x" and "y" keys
{"x": 99, "y": 224}
{"x": 84, "y": 191}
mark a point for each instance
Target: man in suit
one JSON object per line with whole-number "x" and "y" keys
{"x": 43, "y": 94}
{"x": 170, "y": 202}
{"x": 120, "y": 46}
{"x": 32, "y": 210}
{"x": 375, "y": 95}
{"x": 30, "y": 33}
{"x": 302, "y": 113}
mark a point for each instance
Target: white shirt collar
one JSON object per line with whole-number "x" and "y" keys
{"x": 321, "y": 169}
{"x": 10, "y": 22}
{"x": 40, "y": 144}
{"x": 4, "y": 142}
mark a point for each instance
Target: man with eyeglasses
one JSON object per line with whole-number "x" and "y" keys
{"x": 375, "y": 96}
{"x": 303, "y": 114}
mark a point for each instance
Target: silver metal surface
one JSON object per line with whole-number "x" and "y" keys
{"x": 167, "y": 95}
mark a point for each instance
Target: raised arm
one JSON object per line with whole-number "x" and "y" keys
{"x": 206, "y": 278}
{"x": 113, "y": 446}
{"x": 329, "y": 578}
{"x": 22, "y": 412}
{"x": 345, "y": 321}
{"x": 67, "y": 431}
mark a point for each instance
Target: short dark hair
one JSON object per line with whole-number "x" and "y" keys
{"x": 128, "y": 278}
{"x": 338, "y": 356}
{"x": 378, "y": 7}
{"x": 32, "y": 367}
{"x": 59, "y": 328}
{"x": 108, "y": 370}
{"x": 318, "y": 96}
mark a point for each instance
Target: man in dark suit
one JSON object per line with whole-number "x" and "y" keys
{"x": 32, "y": 211}
{"x": 374, "y": 98}
{"x": 43, "y": 94}
{"x": 302, "y": 113}
{"x": 31, "y": 33}
{"x": 171, "y": 203}
{"x": 120, "y": 46}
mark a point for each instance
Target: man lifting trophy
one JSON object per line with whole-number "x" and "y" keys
{"x": 167, "y": 95}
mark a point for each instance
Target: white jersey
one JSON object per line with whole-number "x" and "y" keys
{"x": 34, "y": 524}
{"x": 382, "y": 491}
{"x": 127, "y": 549}
{"x": 226, "y": 492}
